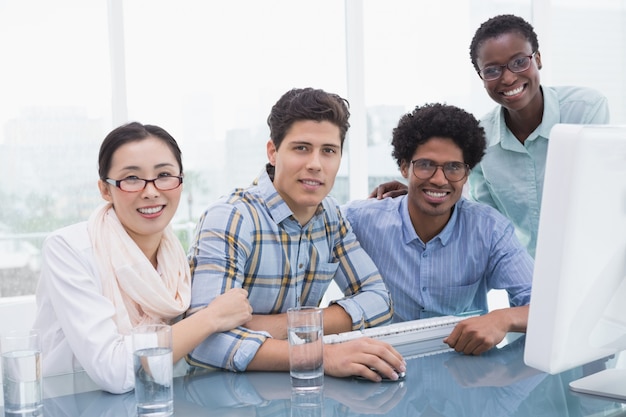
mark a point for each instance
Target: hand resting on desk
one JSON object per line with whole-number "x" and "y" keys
{"x": 477, "y": 335}
{"x": 358, "y": 357}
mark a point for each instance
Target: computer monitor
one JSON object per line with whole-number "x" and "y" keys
{"x": 578, "y": 299}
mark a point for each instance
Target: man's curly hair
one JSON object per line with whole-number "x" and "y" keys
{"x": 438, "y": 120}
{"x": 499, "y": 25}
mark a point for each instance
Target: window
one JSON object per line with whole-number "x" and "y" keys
{"x": 54, "y": 110}
{"x": 208, "y": 72}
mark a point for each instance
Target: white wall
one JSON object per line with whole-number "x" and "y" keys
{"x": 17, "y": 313}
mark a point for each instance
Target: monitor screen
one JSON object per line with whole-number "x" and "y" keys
{"x": 578, "y": 301}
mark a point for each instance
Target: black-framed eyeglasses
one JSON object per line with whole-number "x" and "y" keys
{"x": 134, "y": 184}
{"x": 518, "y": 64}
{"x": 425, "y": 169}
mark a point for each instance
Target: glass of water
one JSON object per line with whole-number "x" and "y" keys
{"x": 152, "y": 351}
{"x": 21, "y": 373}
{"x": 305, "y": 329}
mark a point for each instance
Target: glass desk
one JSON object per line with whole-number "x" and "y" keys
{"x": 497, "y": 384}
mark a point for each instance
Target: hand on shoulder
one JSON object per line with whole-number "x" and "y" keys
{"x": 389, "y": 189}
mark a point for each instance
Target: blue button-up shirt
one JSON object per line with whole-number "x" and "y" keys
{"x": 451, "y": 274}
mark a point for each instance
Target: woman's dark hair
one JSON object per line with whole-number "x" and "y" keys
{"x": 307, "y": 104}
{"x": 133, "y": 132}
{"x": 443, "y": 121}
{"x": 499, "y": 25}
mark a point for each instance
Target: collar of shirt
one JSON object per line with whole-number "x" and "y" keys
{"x": 408, "y": 230}
{"x": 551, "y": 116}
{"x": 276, "y": 206}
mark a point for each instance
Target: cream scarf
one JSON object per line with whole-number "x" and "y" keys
{"x": 139, "y": 293}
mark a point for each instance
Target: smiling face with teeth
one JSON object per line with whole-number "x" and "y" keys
{"x": 144, "y": 214}
{"x": 430, "y": 201}
{"x": 517, "y": 92}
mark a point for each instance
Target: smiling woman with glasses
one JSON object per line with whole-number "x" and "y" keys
{"x": 124, "y": 267}
{"x": 510, "y": 177}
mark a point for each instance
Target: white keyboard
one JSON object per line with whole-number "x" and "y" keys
{"x": 409, "y": 338}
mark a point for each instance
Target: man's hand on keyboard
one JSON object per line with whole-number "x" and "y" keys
{"x": 476, "y": 335}
{"x": 358, "y": 357}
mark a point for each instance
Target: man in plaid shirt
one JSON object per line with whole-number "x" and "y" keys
{"x": 284, "y": 240}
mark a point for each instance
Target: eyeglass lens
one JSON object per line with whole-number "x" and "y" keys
{"x": 161, "y": 183}
{"x": 425, "y": 169}
{"x": 519, "y": 64}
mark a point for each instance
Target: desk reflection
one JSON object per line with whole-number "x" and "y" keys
{"x": 91, "y": 404}
{"x": 270, "y": 394}
{"x": 497, "y": 383}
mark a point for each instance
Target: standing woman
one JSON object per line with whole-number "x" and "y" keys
{"x": 124, "y": 267}
{"x": 505, "y": 53}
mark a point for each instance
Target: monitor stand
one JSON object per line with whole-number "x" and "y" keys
{"x": 610, "y": 383}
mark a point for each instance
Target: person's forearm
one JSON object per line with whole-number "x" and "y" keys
{"x": 516, "y": 317}
{"x": 274, "y": 324}
{"x": 273, "y": 355}
{"x": 189, "y": 333}
{"x": 336, "y": 320}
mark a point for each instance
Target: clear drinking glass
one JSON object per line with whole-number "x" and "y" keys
{"x": 305, "y": 329}
{"x": 152, "y": 347}
{"x": 21, "y": 373}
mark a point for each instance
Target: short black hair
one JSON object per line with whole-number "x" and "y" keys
{"x": 133, "y": 132}
{"x": 438, "y": 120}
{"x": 499, "y": 25}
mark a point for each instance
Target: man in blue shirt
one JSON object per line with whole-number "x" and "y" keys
{"x": 439, "y": 253}
{"x": 284, "y": 240}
